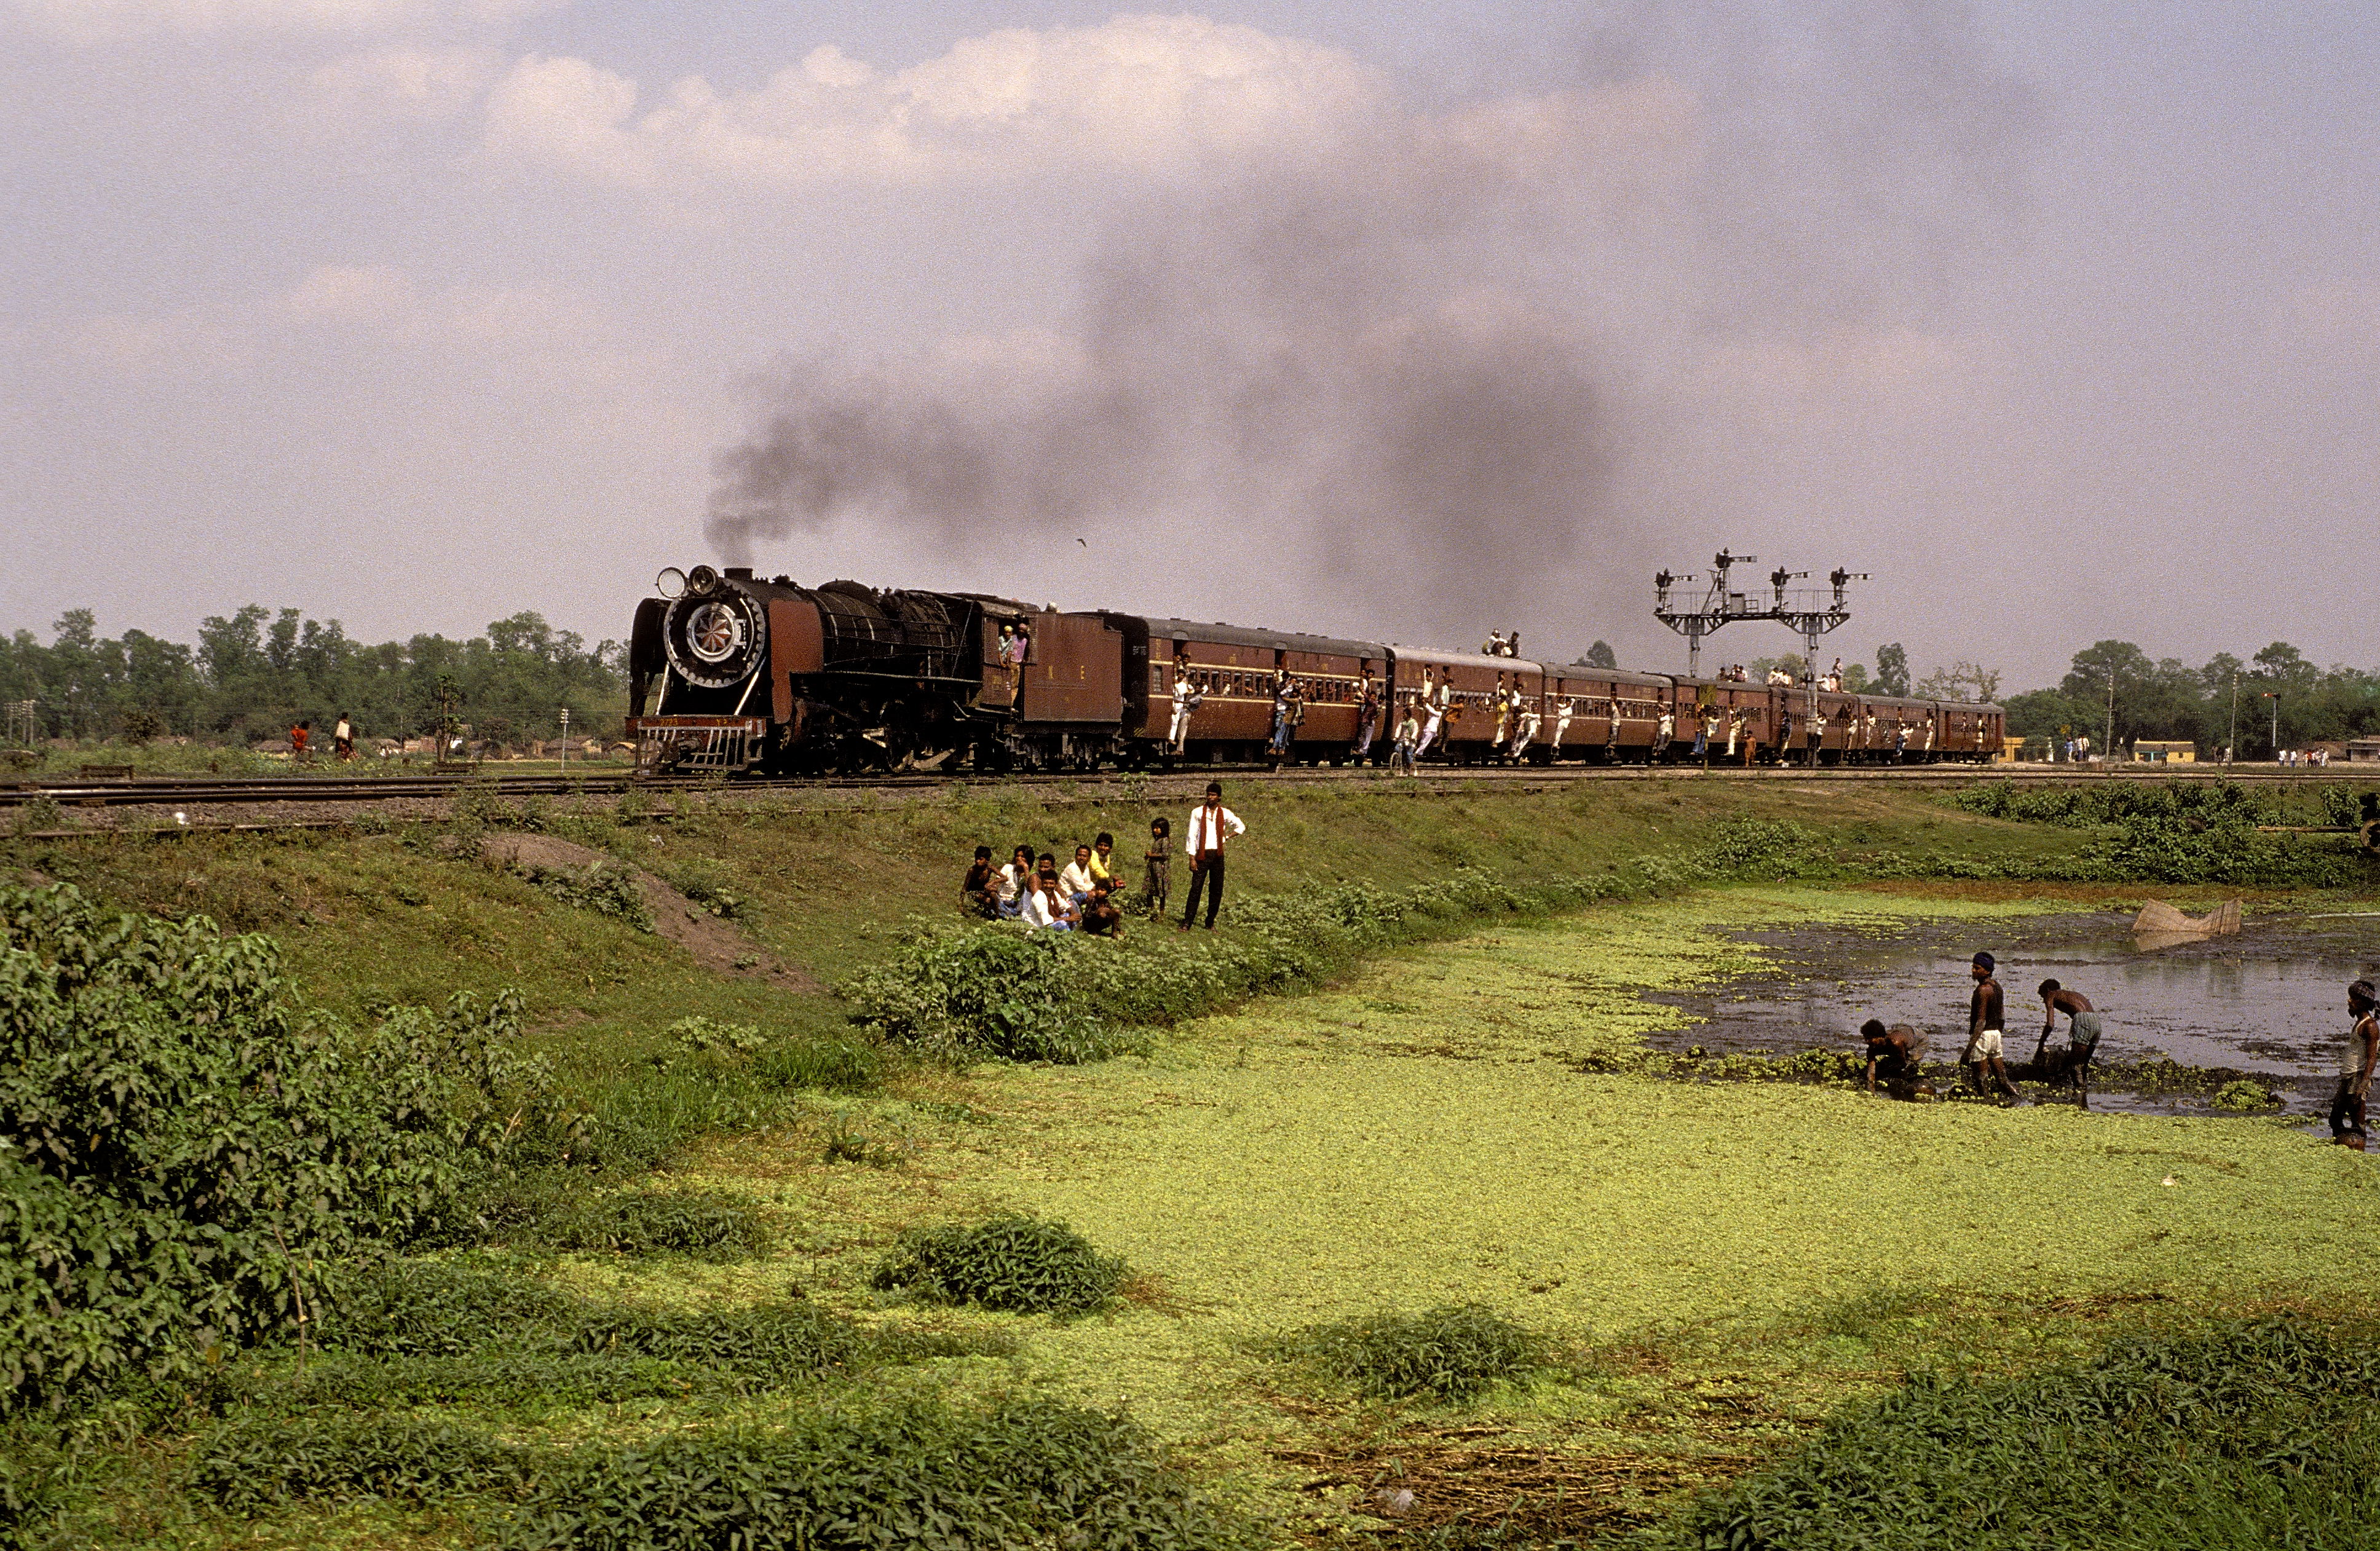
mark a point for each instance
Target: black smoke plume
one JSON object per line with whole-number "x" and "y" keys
{"x": 1428, "y": 368}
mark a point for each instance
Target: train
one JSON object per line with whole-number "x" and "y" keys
{"x": 732, "y": 674}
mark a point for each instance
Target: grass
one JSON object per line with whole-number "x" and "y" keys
{"x": 1718, "y": 1268}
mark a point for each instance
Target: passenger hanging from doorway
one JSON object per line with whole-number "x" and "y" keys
{"x": 1703, "y": 725}
{"x": 1663, "y": 733}
{"x": 1503, "y": 729}
{"x": 1185, "y": 700}
{"x": 1735, "y": 734}
{"x": 1817, "y": 733}
{"x": 1367, "y": 717}
{"x": 1564, "y": 709}
{"x": 1408, "y": 734}
{"x": 1611, "y": 730}
{"x": 1433, "y": 710}
{"x": 1531, "y": 720}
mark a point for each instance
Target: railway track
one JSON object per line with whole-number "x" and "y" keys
{"x": 210, "y": 791}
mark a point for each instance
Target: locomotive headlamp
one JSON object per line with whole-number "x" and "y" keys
{"x": 702, "y": 580}
{"x": 671, "y": 582}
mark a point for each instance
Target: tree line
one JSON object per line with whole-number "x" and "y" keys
{"x": 256, "y": 673}
{"x": 2275, "y": 700}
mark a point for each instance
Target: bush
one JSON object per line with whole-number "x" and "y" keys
{"x": 1019, "y": 1264}
{"x": 432, "y": 1308}
{"x": 539, "y": 1380}
{"x": 1030, "y": 1472}
{"x": 1453, "y": 1353}
{"x": 257, "y": 1461}
{"x": 703, "y": 1224}
{"x": 1760, "y": 848}
{"x": 992, "y": 990}
{"x": 185, "y": 1164}
{"x": 428, "y": 1308}
{"x": 605, "y": 888}
{"x": 2254, "y": 1435}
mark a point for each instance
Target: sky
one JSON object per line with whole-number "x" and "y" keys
{"x": 1393, "y": 321}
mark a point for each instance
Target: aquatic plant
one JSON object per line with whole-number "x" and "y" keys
{"x": 1012, "y": 1262}
{"x": 1451, "y": 1353}
{"x": 2254, "y": 1435}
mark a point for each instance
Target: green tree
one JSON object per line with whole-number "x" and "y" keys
{"x": 1601, "y": 655}
{"x": 1891, "y": 668}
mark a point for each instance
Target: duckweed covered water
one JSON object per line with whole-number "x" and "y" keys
{"x": 1425, "y": 1136}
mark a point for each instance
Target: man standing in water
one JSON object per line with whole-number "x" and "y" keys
{"x": 1892, "y": 1055}
{"x": 2355, "y": 1066}
{"x": 1987, "y": 1014}
{"x": 2082, "y": 1030}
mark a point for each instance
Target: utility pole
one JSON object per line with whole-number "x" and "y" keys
{"x": 2232, "y": 744}
{"x": 565, "y": 740}
{"x": 2110, "y": 756}
{"x": 2274, "y": 696}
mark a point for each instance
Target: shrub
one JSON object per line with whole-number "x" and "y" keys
{"x": 1012, "y": 1262}
{"x": 1030, "y": 1472}
{"x": 1760, "y": 848}
{"x": 779, "y": 1342}
{"x": 531, "y": 1379}
{"x": 1451, "y": 1353}
{"x": 185, "y": 1164}
{"x": 605, "y": 888}
{"x": 2253, "y": 1435}
{"x": 990, "y": 990}
{"x": 430, "y": 1309}
{"x": 704, "y": 1224}
{"x": 255, "y": 1461}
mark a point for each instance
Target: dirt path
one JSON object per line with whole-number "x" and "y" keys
{"x": 718, "y": 946}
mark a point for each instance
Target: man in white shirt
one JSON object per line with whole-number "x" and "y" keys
{"x": 1074, "y": 882}
{"x": 1210, "y": 825}
{"x": 1046, "y": 907}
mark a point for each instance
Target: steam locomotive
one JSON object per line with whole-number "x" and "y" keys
{"x": 750, "y": 675}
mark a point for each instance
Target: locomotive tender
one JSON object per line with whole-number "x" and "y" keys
{"x": 747, "y": 674}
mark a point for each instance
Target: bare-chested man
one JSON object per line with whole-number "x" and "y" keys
{"x": 2073, "y": 1063}
{"x": 2355, "y": 1066}
{"x": 1892, "y": 1055}
{"x": 1987, "y": 1015}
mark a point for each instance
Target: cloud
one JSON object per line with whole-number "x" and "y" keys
{"x": 337, "y": 291}
{"x": 95, "y": 21}
{"x": 419, "y": 85}
{"x": 1140, "y": 92}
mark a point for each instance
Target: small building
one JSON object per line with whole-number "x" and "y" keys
{"x": 2363, "y": 751}
{"x": 2165, "y": 751}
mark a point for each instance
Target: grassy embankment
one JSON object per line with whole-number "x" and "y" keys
{"x": 1714, "y": 1264}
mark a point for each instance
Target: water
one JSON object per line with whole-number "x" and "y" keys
{"x": 2271, "y": 1001}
